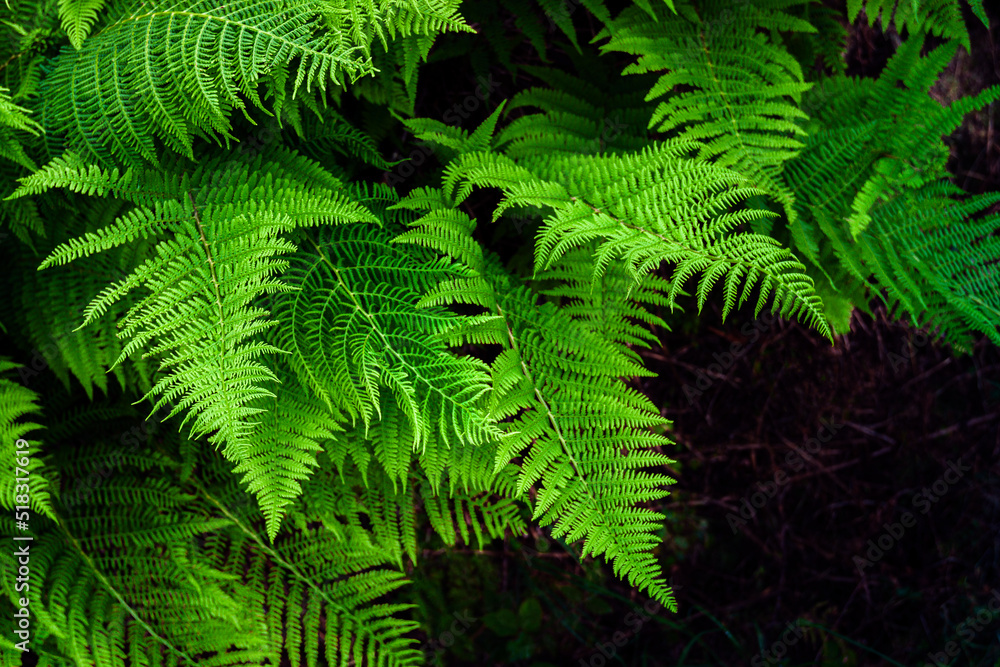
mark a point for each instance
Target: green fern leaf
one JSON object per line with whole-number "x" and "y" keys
{"x": 78, "y": 17}
{"x": 218, "y": 234}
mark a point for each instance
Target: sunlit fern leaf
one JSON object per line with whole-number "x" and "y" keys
{"x": 219, "y": 235}
{"x": 617, "y": 310}
{"x": 14, "y": 118}
{"x": 78, "y": 17}
{"x": 282, "y": 452}
{"x": 739, "y": 89}
{"x": 577, "y": 419}
{"x": 359, "y": 340}
{"x": 745, "y": 87}
{"x": 643, "y": 208}
{"x": 556, "y": 389}
{"x": 646, "y": 208}
{"x": 483, "y": 513}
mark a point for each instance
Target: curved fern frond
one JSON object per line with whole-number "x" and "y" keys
{"x": 739, "y": 89}
{"x": 871, "y": 195}
{"x": 283, "y": 449}
{"x": 173, "y": 69}
{"x": 359, "y": 340}
{"x": 568, "y": 416}
{"x": 78, "y": 17}
{"x": 218, "y": 233}
{"x": 646, "y": 208}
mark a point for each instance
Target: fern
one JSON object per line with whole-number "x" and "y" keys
{"x": 342, "y": 374}
{"x": 556, "y": 384}
{"x": 745, "y": 89}
{"x": 939, "y": 17}
{"x": 23, "y": 468}
{"x": 354, "y": 334}
{"x": 132, "y": 583}
{"x": 642, "y": 210}
{"x": 78, "y": 17}
{"x": 215, "y": 258}
{"x": 896, "y": 177}
{"x": 13, "y": 118}
{"x": 283, "y": 448}
{"x": 171, "y": 70}
{"x": 51, "y": 303}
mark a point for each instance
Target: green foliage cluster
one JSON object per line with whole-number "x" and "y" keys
{"x": 335, "y": 360}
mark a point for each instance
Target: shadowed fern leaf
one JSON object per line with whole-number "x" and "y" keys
{"x": 938, "y": 17}
{"x": 150, "y": 569}
{"x": 729, "y": 86}
{"x": 176, "y": 69}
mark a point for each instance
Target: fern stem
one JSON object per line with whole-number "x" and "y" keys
{"x": 218, "y": 298}
{"x": 548, "y": 411}
{"x": 107, "y": 584}
{"x": 276, "y": 557}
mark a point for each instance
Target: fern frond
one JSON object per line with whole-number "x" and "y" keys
{"x": 15, "y": 118}
{"x": 866, "y": 161}
{"x": 173, "y": 69}
{"x": 618, "y": 309}
{"x": 742, "y": 105}
{"x": 650, "y": 207}
{"x": 574, "y": 419}
{"x": 358, "y": 339}
{"x": 218, "y": 233}
{"x": 556, "y": 387}
{"x": 939, "y": 17}
{"x": 78, "y": 17}
{"x": 27, "y": 482}
{"x": 143, "y": 571}
{"x": 283, "y": 448}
